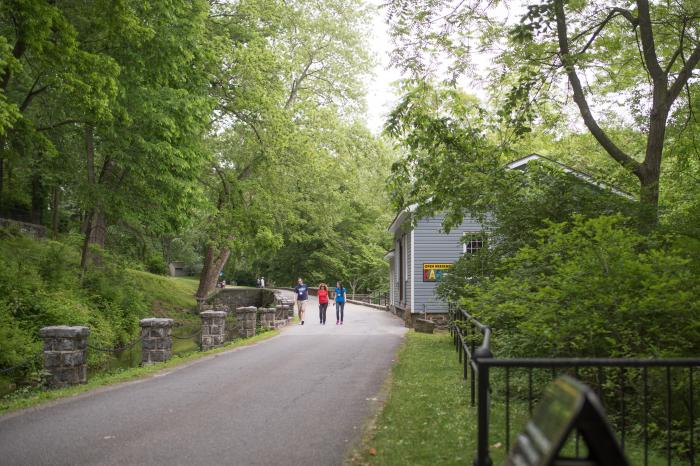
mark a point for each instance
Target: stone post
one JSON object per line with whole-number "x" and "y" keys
{"x": 245, "y": 321}
{"x": 213, "y": 329}
{"x": 156, "y": 340}
{"x": 267, "y": 317}
{"x": 290, "y": 307}
{"x": 65, "y": 356}
{"x": 282, "y": 312}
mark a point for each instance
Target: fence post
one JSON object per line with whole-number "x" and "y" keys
{"x": 65, "y": 357}
{"x": 156, "y": 340}
{"x": 213, "y": 329}
{"x": 245, "y": 321}
{"x": 483, "y": 401}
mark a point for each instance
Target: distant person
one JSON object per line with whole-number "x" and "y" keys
{"x": 301, "y": 295}
{"x": 262, "y": 282}
{"x": 322, "y": 302}
{"x": 339, "y": 303}
{"x": 257, "y": 282}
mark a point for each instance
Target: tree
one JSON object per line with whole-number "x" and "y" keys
{"x": 647, "y": 53}
{"x": 295, "y": 70}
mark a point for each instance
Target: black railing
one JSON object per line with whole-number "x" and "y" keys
{"x": 651, "y": 403}
{"x": 376, "y": 297}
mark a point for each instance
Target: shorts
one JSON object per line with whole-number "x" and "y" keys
{"x": 301, "y": 305}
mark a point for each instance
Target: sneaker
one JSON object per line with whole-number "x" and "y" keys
{"x": 302, "y": 322}
{"x": 337, "y": 322}
{"x": 341, "y": 322}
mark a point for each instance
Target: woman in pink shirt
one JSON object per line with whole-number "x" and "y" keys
{"x": 322, "y": 302}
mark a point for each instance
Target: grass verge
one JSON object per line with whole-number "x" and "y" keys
{"x": 426, "y": 419}
{"x": 22, "y": 399}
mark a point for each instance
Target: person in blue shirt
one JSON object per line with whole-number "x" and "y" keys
{"x": 339, "y": 303}
{"x": 301, "y": 295}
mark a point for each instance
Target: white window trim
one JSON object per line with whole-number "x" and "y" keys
{"x": 471, "y": 233}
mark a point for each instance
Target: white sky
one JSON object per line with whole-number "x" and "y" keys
{"x": 380, "y": 97}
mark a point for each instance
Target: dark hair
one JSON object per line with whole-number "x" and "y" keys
{"x": 340, "y": 285}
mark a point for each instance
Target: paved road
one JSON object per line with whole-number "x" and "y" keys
{"x": 298, "y": 399}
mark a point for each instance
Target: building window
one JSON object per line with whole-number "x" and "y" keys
{"x": 472, "y": 243}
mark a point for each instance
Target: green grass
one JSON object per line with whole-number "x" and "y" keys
{"x": 427, "y": 420}
{"x": 37, "y": 396}
{"x": 167, "y": 294}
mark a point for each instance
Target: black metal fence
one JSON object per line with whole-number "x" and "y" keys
{"x": 651, "y": 403}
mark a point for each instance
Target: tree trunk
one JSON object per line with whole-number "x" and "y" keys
{"x": 214, "y": 262}
{"x": 55, "y": 202}
{"x": 38, "y": 200}
{"x": 649, "y": 173}
{"x": 95, "y": 234}
{"x": 2, "y": 180}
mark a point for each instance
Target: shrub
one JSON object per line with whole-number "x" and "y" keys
{"x": 592, "y": 287}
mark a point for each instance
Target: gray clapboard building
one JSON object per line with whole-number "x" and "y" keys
{"x": 422, "y": 252}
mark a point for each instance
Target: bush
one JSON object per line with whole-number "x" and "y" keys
{"x": 592, "y": 287}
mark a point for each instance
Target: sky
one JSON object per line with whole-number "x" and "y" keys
{"x": 380, "y": 97}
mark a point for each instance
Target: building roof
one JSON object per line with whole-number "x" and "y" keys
{"x": 401, "y": 217}
{"x": 521, "y": 163}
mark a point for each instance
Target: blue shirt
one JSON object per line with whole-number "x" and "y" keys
{"x": 302, "y": 292}
{"x": 340, "y": 295}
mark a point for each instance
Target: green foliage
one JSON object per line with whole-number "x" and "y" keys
{"x": 592, "y": 287}
{"x": 41, "y": 284}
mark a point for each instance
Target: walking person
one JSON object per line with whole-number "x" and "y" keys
{"x": 322, "y": 302}
{"x": 339, "y": 303}
{"x": 301, "y": 295}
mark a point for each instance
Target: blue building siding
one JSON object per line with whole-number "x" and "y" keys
{"x": 435, "y": 246}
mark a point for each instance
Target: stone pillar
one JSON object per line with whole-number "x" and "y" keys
{"x": 282, "y": 312}
{"x": 245, "y": 321}
{"x": 213, "y": 329}
{"x": 156, "y": 340}
{"x": 267, "y": 317}
{"x": 65, "y": 355}
{"x": 290, "y": 306}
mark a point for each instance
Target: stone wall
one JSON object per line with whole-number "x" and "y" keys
{"x": 441, "y": 319}
{"x": 234, "y": 298}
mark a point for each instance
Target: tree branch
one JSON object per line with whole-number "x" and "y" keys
{"x": 684, "y": 75}
{"x": 648, "y": 47}
{"x": 30, "y": 95}
{"x": 679, "y": 50}
{"x": 56, "y": 125}
{"x": 297, "y": 82}
{"x": 579, "y": 96}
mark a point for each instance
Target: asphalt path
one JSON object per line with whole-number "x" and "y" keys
{"x": 300, "y": 398}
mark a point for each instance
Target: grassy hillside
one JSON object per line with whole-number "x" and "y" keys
{"x": 41, "y": 284}
{"x": 167, "y": 296}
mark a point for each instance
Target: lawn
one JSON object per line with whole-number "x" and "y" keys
{"x": 427, "y": 420}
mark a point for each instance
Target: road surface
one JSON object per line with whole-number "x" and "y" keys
{"x": 300, "y": 398}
